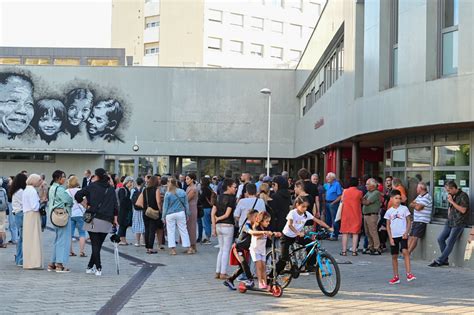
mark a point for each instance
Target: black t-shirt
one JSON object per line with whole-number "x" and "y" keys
{"x": 312, "y": 190}
{"x": 204, "y": 196}
{"x": 223, "y": 202}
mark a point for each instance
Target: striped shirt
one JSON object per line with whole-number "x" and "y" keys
{"x": 425, "y": 214}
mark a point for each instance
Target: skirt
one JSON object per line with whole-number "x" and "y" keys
{"x": 32, "y": 241}
{"x": 137, "y": 222}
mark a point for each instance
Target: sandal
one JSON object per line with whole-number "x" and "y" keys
{"x": 355, "y": 254}
{"x": 62, "y": 269}
{"x": 72, "y": 254}
{"x": 173, "y": 252}
{"x": 51, "y": 267}
{"x": 82, "y": 254}
{"x": 344, "y": 253}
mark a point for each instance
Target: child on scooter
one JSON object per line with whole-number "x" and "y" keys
{"x": 240, "y": 250}
{"x": 258, "y": 249}
{"x": 293, "y": 230}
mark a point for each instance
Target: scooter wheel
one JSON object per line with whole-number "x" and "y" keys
{"x": 277, "y": 291}
{"x": 242, "y": 288}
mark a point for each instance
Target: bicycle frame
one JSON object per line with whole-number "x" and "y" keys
{"x": 315, "y": 249}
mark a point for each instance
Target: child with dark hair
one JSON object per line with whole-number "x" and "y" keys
{"x": 79, "y": 106}
{"x": 258, "y": 243}
{"x": 50, "y": 115}
{"x": 104, "y": 120}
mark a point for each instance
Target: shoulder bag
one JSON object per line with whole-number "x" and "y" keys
{"x": 339, "y": 210}
{"x": 150, "y": 212}
{"x": 59, "y": 217}
{"x": 89, "y": 215}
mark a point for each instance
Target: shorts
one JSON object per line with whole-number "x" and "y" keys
{"x": 257, "y": 257}
{"x": 400, "y": 245}
{"x": 3, "y": 221}
{"x": 78, "y": 223}
{"x": 418, "y": 229}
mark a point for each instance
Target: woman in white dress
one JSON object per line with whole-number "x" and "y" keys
{"x": 32, "y": 239}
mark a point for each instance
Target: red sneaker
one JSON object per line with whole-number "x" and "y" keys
{"x": 394, "y": 280}
{"x": 410, "y": 277}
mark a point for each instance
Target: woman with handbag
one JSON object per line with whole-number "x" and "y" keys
{"x": 59, "y": 206}
{"x": 150, "y": 200}
{"x": 351, "y": 216}
{"x": 193, "y": 195}
{"x": 138, "y": 227}
{"x": 125, "y": 208}
{"x": 32, "y": 238}
{"x": 176, "y": 213}
{"x": 101, "y": 214}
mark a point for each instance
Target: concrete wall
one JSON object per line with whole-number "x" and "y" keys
{"x": 428, "y": 248}
{"x": 174, "y": 111}
{"x": 69, "y": 163}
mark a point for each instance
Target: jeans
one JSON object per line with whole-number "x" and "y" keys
{"x": 451, "y": 234}
{"x": 97, "y": 239}
{"x": 78, "y": 222}
{"x": 19, "y": 245}
{"x": 206, "y": 220}
{"x": 150, "y": 231}
{"x": 200, "y": 228}
{"x": 225, "y": 235}
{"x": 12, "y": 225}
{"x": 331, "y": 211}
{"x": 173, "y": 220}
{"x": 62, "y": 244}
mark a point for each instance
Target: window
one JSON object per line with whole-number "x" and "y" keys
{"x": 257, "y": 23}
{"x": 452, "y": 155}
{"x": 103, "y": 62}
{"x": 440, "y": 195}
{"x": 393, "y": 43}
{"x": 295, "y": 4}
{"x": 214, "y": 43}
{"x": 236, "y": 46}
{"x": 398, "y": 158}
{"x": 419, "y": 157}
{"x": 449, "y": 37}
{"x": 152, "y": 24}
{"x": 296, "y": 30}
{"x": 275, "y": 3}
{"x": 295, "y": 55}
{"x": 276, "y": 52}
{"x": 277, "y": 27}
{"x": 237, "y": 19}
{"x": 10, "y": 61}
{"x": 67, "y": 61}
{"x": 256, "y": 49}
{"x": 215, "y": 16}
{"x": 37, "y": 61}
{"x": 32, "y": 157}
{"x": 152, "y": 51}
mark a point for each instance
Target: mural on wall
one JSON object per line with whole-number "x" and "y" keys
{"x": 30, "y": 109}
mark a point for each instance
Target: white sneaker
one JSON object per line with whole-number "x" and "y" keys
{"x": 216, "y": 246}
{"x": 98, "y": 272}
{"x": 90, "y": 271}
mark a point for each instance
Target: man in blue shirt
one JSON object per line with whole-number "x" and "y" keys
{"x": 333, "y": 196}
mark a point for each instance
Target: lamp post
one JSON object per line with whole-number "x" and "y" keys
{"x": 268, "y": 92}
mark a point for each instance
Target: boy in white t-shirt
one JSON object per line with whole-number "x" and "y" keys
{"x": 293, "y": 229}
{"x": 398, "y": 227}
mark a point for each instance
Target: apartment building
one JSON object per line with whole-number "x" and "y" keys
{"x": 206, "y": 33}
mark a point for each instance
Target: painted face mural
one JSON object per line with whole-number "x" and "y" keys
{"x": 16, "y": 103}
{"x": 75, "y": 113}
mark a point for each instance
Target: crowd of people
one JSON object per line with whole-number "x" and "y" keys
{"x": 241, "y": 213}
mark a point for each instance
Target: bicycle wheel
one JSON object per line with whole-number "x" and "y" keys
{"x": 328, "y": 274}
{"x": 284, "y": 278}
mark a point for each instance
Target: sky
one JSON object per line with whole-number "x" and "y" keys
{"x": 55, "y": 23}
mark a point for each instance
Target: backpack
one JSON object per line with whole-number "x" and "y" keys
{"x": 3, "y": 200}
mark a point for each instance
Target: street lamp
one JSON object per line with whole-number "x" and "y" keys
{"x": 268, "y": 92}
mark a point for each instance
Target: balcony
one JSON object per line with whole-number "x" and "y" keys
{"x": 151, "y": 35}
{"x": 152, "y": 7}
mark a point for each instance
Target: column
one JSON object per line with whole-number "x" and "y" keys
{"x": 316, "y": 164}
{"x": 309, "y": 164}
{"x": 338, "y": 163}
{"x": 355, "y": 159}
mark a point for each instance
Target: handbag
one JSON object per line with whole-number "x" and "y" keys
{"x": 339, "y": 210}
{"x": 89, "y": 216}
{"x": 59, "y": 217}
{"x": 150, "y": 212}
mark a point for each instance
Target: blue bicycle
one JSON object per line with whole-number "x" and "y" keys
{"x": 327, "y": 271}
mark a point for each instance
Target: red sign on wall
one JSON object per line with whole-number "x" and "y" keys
{"x": 319, "y": 123}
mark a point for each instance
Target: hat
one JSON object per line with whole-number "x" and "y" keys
{"x": 267, "y": 179}
{"x": 128, "y": 179}
{"x": 281, "y": 181}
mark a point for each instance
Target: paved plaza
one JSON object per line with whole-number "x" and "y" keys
{"x": 185, "y": 285}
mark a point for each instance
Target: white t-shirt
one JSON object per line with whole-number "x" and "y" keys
{"x": 298, "y": 222}
{"x": 425, "y": 214}
{"x": 17, "y": 202}
{"x": 398, "y": 220}
{"x": 245, "y": 205}
{"x": 258, "y": 244}
{"x": 77, "y": 209}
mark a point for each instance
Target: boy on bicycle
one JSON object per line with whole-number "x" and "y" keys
{"x": 293, "y": 230}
